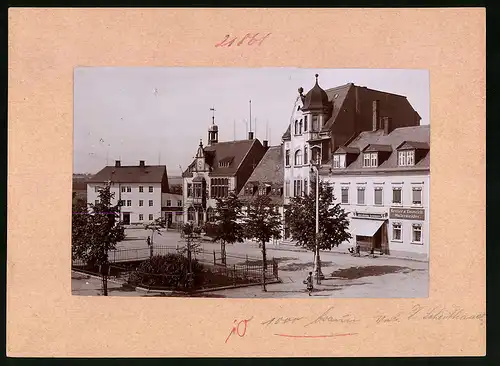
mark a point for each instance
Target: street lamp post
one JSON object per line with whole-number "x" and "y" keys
{"x": 317, "y": 263}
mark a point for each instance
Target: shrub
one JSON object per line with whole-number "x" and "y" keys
{"x": 166, "y": 271}
{"x": 210, "y": 229}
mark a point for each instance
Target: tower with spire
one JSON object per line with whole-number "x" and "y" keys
{"x": 213, "y": 130}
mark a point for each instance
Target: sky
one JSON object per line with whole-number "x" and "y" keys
{"x": 159, "y": 114}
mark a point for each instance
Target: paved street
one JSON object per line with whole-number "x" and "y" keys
{"x": 353, "y": 277}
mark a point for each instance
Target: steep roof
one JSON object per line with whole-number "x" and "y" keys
{"x": 130, "y": 174}
{"x": 418, "y": 134}
{"x": 233, "y": 152}
{"x": 269, "y": 171}
{"x": 316, "y": 98}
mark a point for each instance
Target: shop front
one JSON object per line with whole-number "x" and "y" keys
{"x": 370, "y": 234}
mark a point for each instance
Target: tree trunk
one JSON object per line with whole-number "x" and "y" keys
{"x": 223, "y": 251}
{"x": 264, "y": 260}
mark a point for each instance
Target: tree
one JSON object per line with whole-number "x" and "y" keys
{"x": 95, "y": 231}
{"x": 176, "y": 189}
{"x": 192, "y": 237}
{"x": 263, "y": 222}
{"x": 156, "y": 226}
{"x": 300, "y": 217}
{"x": 227, "y": 226}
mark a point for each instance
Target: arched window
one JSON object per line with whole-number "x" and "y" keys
{"x": 300, "y": 126}
{"x": 296, "y": 127}
{"x": 316, "y": 154}
{"x": 298, "y": 157}
{"x": 191, "y": 214}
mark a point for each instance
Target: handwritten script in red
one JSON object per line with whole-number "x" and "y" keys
{"x": 249, "y": 39}
{"x": 239, "y": 328}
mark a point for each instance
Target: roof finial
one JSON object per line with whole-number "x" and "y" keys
{"x": 201, "y": 143}
{"x": 316, "y": 78}
{"x": 213, "y": 114}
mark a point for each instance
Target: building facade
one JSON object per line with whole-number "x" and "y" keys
{"x": 382, "y": 180}
{"x": 172, "y": 209}
{"x": 217, "y": 169}
{"x": 266, "y": 180}
{"x": 138, "y": 190}
{"x": 323, "y": 120}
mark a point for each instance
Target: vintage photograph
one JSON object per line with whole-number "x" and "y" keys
{"x": 251, "y": 182}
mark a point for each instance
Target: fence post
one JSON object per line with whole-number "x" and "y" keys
{"x": 234, "y": 274}
{"x": 214, "y": 258}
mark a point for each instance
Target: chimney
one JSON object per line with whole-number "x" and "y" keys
{"x": 376, "y": 115}
{"x": 141, "y": 163}
{"x": 265, "y": 143}
{"x": 118, "y": 163}
{"x": 386, "y": 124}
{"x": 250, "y": 135}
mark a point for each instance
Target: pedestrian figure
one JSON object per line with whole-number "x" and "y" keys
{"x": 309, "y": 283}
{"x": 148, "y": 240}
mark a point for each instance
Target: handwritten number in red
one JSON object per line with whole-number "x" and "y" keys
{"x": 239, "y": 328}
{"x": 228, "y": 41}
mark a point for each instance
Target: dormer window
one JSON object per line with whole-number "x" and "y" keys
{"x": 223, "y": 164}
{"x": 339, "y": 161}
{"x": 370, "y": 160}
{"x": 406, "y": 158}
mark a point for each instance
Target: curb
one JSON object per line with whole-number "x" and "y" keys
{"x": 97, "y": 277}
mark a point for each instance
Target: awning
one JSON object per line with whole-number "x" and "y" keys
{"x": 364, "y": 227}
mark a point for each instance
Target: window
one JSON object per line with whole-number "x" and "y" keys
{"x": 315, "y": 124}
{"x": 150, "y": 202}
{"x": 121, "y": 203}
{"x": 378, "y": 195}
{"x": 210, "y": 214}
{"x": 361, "y": 195}
{"x": 396, "y": 231}
{"x": 417, "y": 233}
{"x": 169, "y": 203}
{"x": 417, "y": 196}
{"x": 262, "y": 191}
{"x": 406, "y": 158}
{"x": 316, "y": 154}
{"x": 296, "y": 127}
{"x": 190, "y": 214}
{"x": 141, "y": 189}
{"x": 179, "y": 203}
{"x": 141, "y": 217}
{"x": 300, "y": 126}
{"x": 298, "y": 157}
{"x": 141, "y": 203}
{"x": 150, "y": 217}
{"x": 124, "y": 189}
{"x": 224, "y": 164}
{"x": 336, "y": 161}
{"x": 345, "y": 195}
{"x": 189, "y": 190}
{"x": 287, "y": 157}
{"x": 129, "y": 202}
{"x": 287, "y": 188}
{"x": 370, "y": 160}
{"x": 297, "y": 187}
{"x": 150, "y": 189}
{"x": 306, "y": 187}
{"x": 396, "y": 195}
{"x": 306, "y": 155}
{"x": 129, "y": 189}
{"x": 219, "y": 187}
{"x": 96, "y": 202}
{"x": 305, "y": 123}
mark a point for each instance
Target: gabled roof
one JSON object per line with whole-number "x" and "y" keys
{"x": 269, "y": 172}
{"x": 377, "y": 147}
{"x": 410, "y": 145}
{"x": 418, "y": 134}
{"x": 229, "y": 151}
{"x": 130, "y": 174}
{"x": 347, "y": 150}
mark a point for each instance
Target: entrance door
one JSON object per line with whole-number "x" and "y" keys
{"x": 126, "y": 218}
{"x": 169, "y": 219}
{"x": 200, "y": 217}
